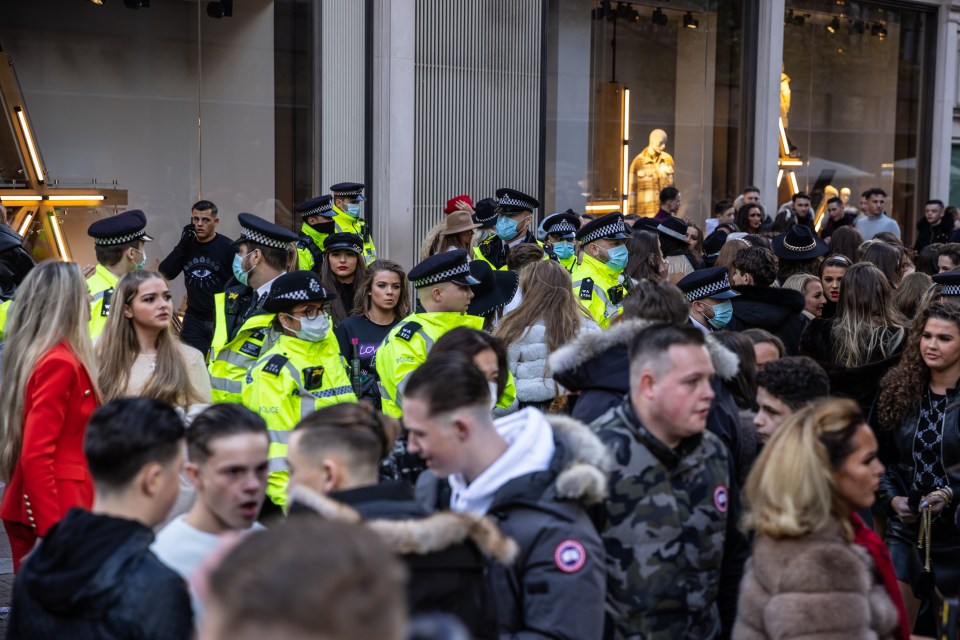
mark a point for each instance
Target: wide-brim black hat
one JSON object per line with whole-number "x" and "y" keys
{"x": 674, "y": 228}
{"x": 485, "y": 213}
{"x": 496, "y": 288}
{"x": 799, "y": 243}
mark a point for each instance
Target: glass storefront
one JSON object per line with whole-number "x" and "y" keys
{"x": 854, "y": 103}
{"x": 641, "y": 96}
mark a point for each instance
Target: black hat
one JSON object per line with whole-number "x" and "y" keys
{"x": 609, "y": 226}
{"x": 673, "y": 227}
{"x": 646, "y": 224}
{"x": 496, "y": 288}
{"x": 511, "y": 201}
{"x": 294, "y": 287}
{"x": 119, "y": 229}
{"x": 949, "y": 281}
{"x": 347, "y": 241}
{"x": 563, "y": 224}
{"x": 322, "y": 206}
{"x": 485, "y": 213}
{"x": 707, "y": 283}
{"x": 799, "y": 243}
{"x": 447, "y": 266}
{"x": 714, "y": 242}
{"x": 256, "y": 229}
{"x": 348, "y": 190}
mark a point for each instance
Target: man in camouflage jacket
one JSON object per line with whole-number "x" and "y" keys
{"x": 669, "y": 523}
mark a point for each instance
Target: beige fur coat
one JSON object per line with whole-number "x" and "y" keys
{"x": 818, "y": 586}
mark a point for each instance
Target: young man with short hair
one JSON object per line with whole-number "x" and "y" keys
{"x": 669, "y": 203}
{"x": 227, "y": 450}
{"x": 836, "y": 217}
{"x": 802, "y": 209}
{"x": 948, "y": 257}
{"x": 723, "y": 213}
{"x": 933, "y": 227}
{"x": 93, "y": 575}
{"x": 783, "y": 386}
{"x": 875, "y": 219}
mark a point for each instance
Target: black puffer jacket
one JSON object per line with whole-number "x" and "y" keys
{"x": 15, "y": 262}
{"x": 779, "y": 311}
{"x": 95, "y": 577}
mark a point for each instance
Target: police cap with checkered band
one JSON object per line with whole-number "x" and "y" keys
{"x": 120, "y": 229}
{"x": 562, "y": 225}
{"x": 609, "y": 227}
{"x": 707, "y": 283}
{"x": 949, "y": 282}
{"x": 290, "y": 289}
{"x": 448, "y": 266}
{"x": 352, "y": 190}
{"x": 257, "y": 230}
{"x": 322, "y": 206}
{"x": 512, "y": 202}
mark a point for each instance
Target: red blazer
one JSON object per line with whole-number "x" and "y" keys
{"x": 51, "y": 475}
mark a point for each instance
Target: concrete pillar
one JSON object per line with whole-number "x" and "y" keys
{"x": 944, "y": 100}
{"x": 769, "y": 65}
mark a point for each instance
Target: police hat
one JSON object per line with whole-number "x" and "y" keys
{"x": 511, "y": 201}
{"x": 119, "y": 229}
{"x": 485, "y": 213}
{"x": 448, "y": 266}
{"x": 295, "y": 287}
{"x": 344, "y": 241}
{"x": 673, "y": 227}
{"x": 352, "y": 190}
{"x": 322, "y": 206}
{"x": 564, "y": 225}
{"x": 609, "y": 226}
{"x": 799, "y": 243}
{"x": 707, "y": 283}
{"x": 949, "y": 282}
{"x": 256, "y": 229}
{"x": 495, "y": 289}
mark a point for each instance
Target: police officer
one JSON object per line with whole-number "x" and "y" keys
{"x": 350, "y": 218}
{"x": 118, "y": 244}
{"x": 301, "y": 372}
{"x": 443, "y": 284}
{"x": 597, "y": 280}
{"x": 709, "y": 293}
{"x": 559, "y": 231}
{"x": 318, "y": 223}
{"x": 515, "y": 225}
{"x": 949, "y": 283}
{"x": 242, "y": 326}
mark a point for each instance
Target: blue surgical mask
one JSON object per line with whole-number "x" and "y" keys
{"x": 617, "y": 260}
{"x": 506, "y": 228}
{"x": 314, "y": 330}
{"x": 142, "y": 263}
{"x": 722, "y": 314}
{"x": 563, "y": 250}
{"x": 353, "y": 210}
{"x": 238, "y": 272}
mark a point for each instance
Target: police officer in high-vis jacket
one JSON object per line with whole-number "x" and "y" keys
{"x": 597, "y": 280}
{"x": 241, "y": 330}
{"x": 443, "y": 284}
{"x": 317, "y": 215}
{"x": 558, "y": 232}
{"x": 515, "y": 225}
{"x": 301, "y": 372}
{"x": 118, "y": 243}
{"x": 350, "y": 217}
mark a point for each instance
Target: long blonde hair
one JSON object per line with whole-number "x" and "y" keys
{"x": 867, "y": 327}
{"x": 50, "y": 307}
{"x": 791, "y": 490}
{"x": 118, "y": 348}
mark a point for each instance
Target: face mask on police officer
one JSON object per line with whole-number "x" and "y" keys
{"x": 241, "y": 274}
{"x": 616, "y": 257}
{"x": 143, "y": 262}
{"x": 312, "y": 330}
{"x": 722, "y": 314}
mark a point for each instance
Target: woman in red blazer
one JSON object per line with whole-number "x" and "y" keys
{"x": 47, "y": 395}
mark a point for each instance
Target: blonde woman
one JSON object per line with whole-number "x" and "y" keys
{"x": 138, "y": 352}
{"x": 817, "y": 570}
{"x": 812, "y": 290}
{"x": 49, "y": 392}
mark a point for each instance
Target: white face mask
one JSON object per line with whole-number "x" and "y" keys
{"x": 314, "y": 330}
{"x": 494, "y": 396}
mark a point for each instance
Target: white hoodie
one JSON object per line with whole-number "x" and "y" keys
{"x": 530, "y": 448}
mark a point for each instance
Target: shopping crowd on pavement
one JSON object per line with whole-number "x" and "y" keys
{"x": 565, "y": 426}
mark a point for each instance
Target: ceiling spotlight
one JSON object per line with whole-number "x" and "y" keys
{"x": 221, "y": 9}
{"x": 627, "y": 12}
{"x": 834, "y": 25}
{"x": 99, "y": 3}
{"x": 879, "y": 30}
{"x": 689, "y": 22}
{"x": 659, "y": 17}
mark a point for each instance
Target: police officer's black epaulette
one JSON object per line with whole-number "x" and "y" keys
{"x": 408, "y": 330}
{"x": 275, "y": 364}
{"x": 586, "y": 289}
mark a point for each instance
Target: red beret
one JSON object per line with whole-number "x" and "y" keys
{"x": 452, "y": 203}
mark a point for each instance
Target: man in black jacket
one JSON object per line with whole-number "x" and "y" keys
{"x": 94, "y": 576}
{"x": 933, "y": 227}
{"x": 15, "y": 262}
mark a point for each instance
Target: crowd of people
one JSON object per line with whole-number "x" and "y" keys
{"x": 586, "y": 427}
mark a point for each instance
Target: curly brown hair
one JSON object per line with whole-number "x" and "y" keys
{"x": 902, "y": 386}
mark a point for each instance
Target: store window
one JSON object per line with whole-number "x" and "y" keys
{"x": 641, "y": 96}
{"x": 854, "y": 103}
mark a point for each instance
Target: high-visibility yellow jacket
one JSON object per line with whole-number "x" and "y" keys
{"x": 310, "y": 248}
{"x": 230, "y": 312}
{"x": 348, "y": 224}
{"x": 100, "y": 284}
{"x": 229, "y": 366}
{"x": 4, "y": 312}
{"x": 406, "y": 347}
{"x": 493, "y": 251}
{"x": 289, "y": 381}
{"x": 598, "y": 289}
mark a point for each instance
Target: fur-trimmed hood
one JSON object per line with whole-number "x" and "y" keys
{"x": 587, "y": 347}
{"x": 586, "y": 461}
{"x": 419, "y": 536}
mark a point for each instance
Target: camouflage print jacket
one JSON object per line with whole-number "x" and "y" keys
{"x": 664, "y": 529}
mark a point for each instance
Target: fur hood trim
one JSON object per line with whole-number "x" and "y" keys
{"x": 588, "y": 346}
{"x": 419, "y": 536}
{"x": 584, "y": 476}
